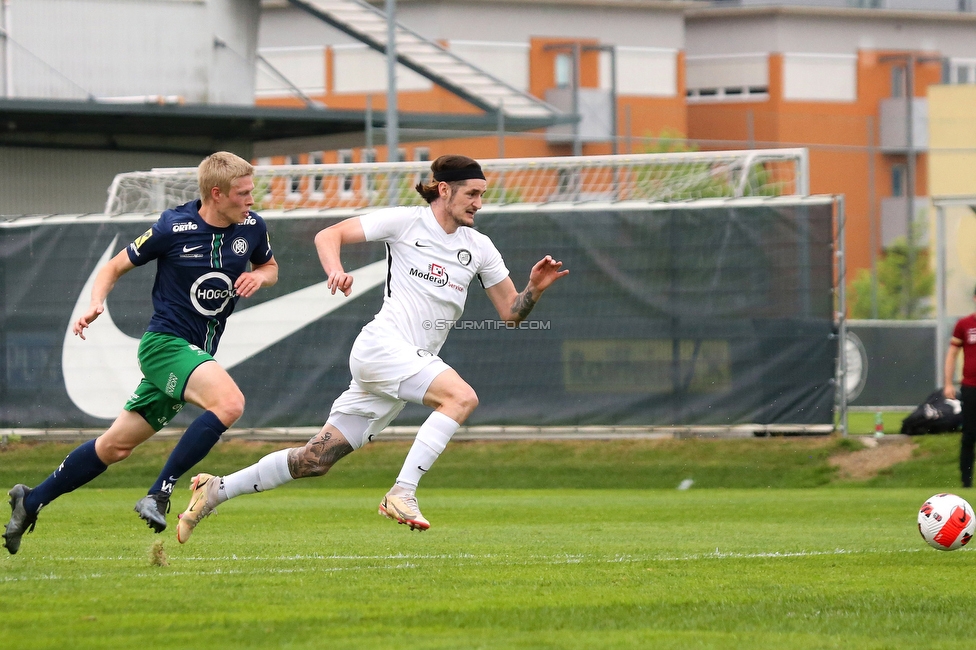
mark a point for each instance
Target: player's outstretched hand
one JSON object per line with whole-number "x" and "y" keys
{"x": 86, "y": 319}
{"x": 545, "y": 272}
{"x": 340, "y": 281}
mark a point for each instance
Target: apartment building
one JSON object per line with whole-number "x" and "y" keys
{"x": 736, "y": 74}
{"x": 834, "y": 80}
{"x": 625, "y": 58}
{"x": 730, "y": 75}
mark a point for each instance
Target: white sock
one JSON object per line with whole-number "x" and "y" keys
{"x": 432, "y": 439}
{"x": 266, "y": 474}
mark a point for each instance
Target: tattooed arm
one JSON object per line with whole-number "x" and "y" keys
{"x": 319, "y": 454}
{"x": 514, "y": 307}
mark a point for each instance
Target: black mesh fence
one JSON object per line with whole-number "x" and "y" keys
{"x": 690, "y": 315}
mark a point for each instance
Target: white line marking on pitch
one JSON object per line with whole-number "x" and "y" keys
{"x": 405, "y": 561}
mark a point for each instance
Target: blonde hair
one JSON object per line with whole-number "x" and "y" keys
{"x": 220, "y": 170}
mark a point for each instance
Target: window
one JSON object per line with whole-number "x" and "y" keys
{"x": 642, "y": 71}
{"x": 961, "y": 71}
{"x": 898, "y": 180}
{"x": 564, "y": 70}
{"x": 819, "y": 77}
{"x": 294, "y": 182}
{"x": 316, "y": 181}
{"x": 898, "y": 82}
{"x": 345, "y": 180}
{"x": 420, "y": 154}
{"x": 732, "y": 78}
{"x": 369, "y": 181}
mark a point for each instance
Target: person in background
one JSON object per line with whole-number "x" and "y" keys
{"x": 964, "y": 340}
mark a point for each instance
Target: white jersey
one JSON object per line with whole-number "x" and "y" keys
{"x": 429, "y": 274}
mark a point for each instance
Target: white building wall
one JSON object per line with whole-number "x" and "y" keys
{"x": 642, "y": 71}
{"x": 233, "y": 33}
{"x": 819, "y": 49}
{"x": 723, "y": 32}
{"x": 820, "y": 77}
{"x": 609, "y": 24}
{"x": 504, "y": 60}
{"x": 303, "y": 66}
{"x": 357, "y": 68}
{"x": 496, "y": 37}
{"x": 77, "y": 49}
{"x": 283, "y": 25}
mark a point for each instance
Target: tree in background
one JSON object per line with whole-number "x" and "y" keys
{"x": 896, "y": 300}
{"x": 668, "y": 141}
{"x": 690, "y": 180}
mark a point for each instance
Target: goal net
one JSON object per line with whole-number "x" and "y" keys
{"x": 644, "y": 177}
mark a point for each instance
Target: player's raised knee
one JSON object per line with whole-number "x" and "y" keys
{"x": 465, "y": 398}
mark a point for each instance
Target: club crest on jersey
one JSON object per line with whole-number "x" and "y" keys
{"x": 239, "y": 246}
{"x": 464, "y": 257}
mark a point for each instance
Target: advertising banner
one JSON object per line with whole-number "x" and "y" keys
{"x": 683, "y": 315}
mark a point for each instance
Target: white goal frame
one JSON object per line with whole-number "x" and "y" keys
{"x": 642, "y": 177}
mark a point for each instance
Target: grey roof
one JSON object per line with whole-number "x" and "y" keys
{"x": 203, "y": 128}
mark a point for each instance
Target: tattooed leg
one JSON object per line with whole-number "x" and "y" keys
{"x": 319, "y": 454}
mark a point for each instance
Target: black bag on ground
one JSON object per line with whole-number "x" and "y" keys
{"x": 935, "y": 415}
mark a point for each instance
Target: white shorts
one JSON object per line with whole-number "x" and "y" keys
{"x": 379, "y": 364}
{"x": 385, "y": 376}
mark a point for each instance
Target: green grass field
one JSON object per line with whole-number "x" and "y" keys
{"x": 587, "y": 546}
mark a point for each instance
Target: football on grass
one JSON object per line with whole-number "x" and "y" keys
{"x": 946, "y": 522}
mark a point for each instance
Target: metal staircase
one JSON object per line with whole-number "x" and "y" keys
{"x": 427, "y": 58}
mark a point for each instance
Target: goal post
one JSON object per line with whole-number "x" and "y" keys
{"x": 953, "y": 277}
{"x": 663, "y": 177}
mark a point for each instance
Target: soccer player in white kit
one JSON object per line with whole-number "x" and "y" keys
{"x": 433, "y": 254}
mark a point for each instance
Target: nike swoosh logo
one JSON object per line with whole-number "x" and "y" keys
{"x": 101, "y": 372}
{"x": 190, "y": 249}
{"x": 419, "y": 245}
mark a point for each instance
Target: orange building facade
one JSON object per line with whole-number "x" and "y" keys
{"x": 831, "y": 80}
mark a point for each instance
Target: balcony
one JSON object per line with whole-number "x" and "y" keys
{"x": 894, "y": 126}
{"x": 595, "y": 115}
